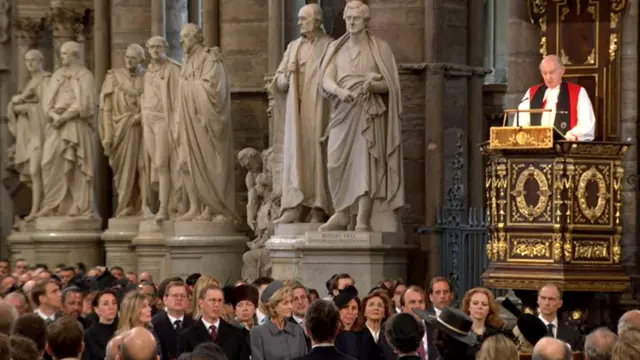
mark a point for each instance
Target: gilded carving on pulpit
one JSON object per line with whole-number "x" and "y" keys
{"x": 26, "y": 122}
{"x": 159, "y": 126}
{"x": 68, "y": 160}
{"x": 206, "y": 135}
{"x": 306, "y": 115}
{"x": 364, "y": 146}
{"x": 262, "y": 208}
{"x": 121, "y": 132}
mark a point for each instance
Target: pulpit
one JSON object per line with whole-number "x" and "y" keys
{"x": 554, "y": 216}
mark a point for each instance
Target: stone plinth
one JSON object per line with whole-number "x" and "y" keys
{"x": 314, "y": 257}
{"x": 67, "y": 240}
{"x": 150, "y": 250}
{"x": 207, "y": 247}
{"x": 117, "y": 242}
{"x": 21, "y": 245}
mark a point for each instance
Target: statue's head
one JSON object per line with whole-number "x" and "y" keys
{"x": 263, "y": 184}
{"x": 356, "y": 16}
{"x": 310, "y": 18}
{"x": 552, "y": 70}
{"x": 70, "y": 53}
{"x": 33, "y": 60}
{"x": 134, "y": 56}
{"x": 250, "y": 159}
{"x": 190, "y": 36}
{"x": 157, "y": 47}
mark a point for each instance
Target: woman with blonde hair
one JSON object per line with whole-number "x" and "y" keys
{"x": 498, "y": 347}
{"x": 277, "y": 338}
{"x": 481, "y": 306}
{"x": 135, "y": 310}
{"x": 202, "y": 282}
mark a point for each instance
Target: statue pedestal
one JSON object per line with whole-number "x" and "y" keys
{"x": 117, "y": 242}
{"x": 315, "y": 256}
{"x": 67, "y": 240}
{"x": 150, "y": 251}
{"x": 207, "y": 247}
{"x": 21, "y": 245}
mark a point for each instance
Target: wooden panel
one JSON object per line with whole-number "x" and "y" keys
{"x": 585, "y": 34}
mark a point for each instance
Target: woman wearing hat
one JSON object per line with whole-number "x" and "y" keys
{"x": 452, "y": 336}
{"x": 353, "y": 339}
{"x": 277, "y": 339}
{"x": 481, "y": 306}
{"x": 244, "y": 299}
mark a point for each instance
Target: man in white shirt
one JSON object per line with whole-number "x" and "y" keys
{"x": 571, "y": 110}
{"x": 549, "y": 301}
{"x": 169, "y": 323}
{"x": 47, "y": 299}
{"x": 440, "y": 295}
{"x": 415, "y": 298}
{"x": 300, "y": 303}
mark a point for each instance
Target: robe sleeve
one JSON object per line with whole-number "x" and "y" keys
{"x": 86, "y": 99}
{"x": 522, "y": 119}
{"x": 105, "y": 126}
{"x": 212, "y": 89}
{"x": 586, "y": 126}
{"x": 280, "y": 77}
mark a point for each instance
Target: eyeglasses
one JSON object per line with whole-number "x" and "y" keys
{"x": 178, "y": 296}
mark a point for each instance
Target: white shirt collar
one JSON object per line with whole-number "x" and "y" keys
{"x": 376, "y": 335}
{"x": 437, "y": 311}
{"x": 44, "y": 316}
{"x": 261, "y": 317}
{"x": 300, "y": 321}
{"x": 322, "y": 345}
{"x": 173, "y": 320}
{"x": 554, "y": 322}
{"x": 207, "y": 325}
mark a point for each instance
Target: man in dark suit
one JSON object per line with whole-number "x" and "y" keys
{"x": 322, "y": 324}
{"x": 169, "y": 323}
{"x": 211, "y": 328}
{"x": 404, "y": 334}
{"x": 440, "y": 295}
{"x": 415, "y": 298}
{"x": 549, "y": 301}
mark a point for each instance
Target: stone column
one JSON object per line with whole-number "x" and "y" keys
{"x": 195, "y": 12}
{"x": 275, "y": 34}
{"x": 434, "y": 97}
{"x": 524, "y": 52}
{"x": 158, "y": 12}
{"x": 211, "y": 22}
{"x": 177, "y": 15}
{"x": 66, "y": 21}
{"x": 475, "y": 128}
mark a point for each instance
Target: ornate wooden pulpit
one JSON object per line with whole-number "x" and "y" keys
{"x": 553, "y": 214}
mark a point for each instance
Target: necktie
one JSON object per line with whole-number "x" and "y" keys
{"x": 213, "y": 332}
{"x": 421, "y": 351}
{"x": 177, "y": 325}
{"x": 550, "y": 330}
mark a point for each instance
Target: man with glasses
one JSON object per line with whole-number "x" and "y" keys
{"x": 174, "y": 319}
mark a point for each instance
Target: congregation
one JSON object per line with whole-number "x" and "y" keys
{"x": 100, "y": 313}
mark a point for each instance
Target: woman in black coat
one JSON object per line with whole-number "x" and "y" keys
{"x": 352, "y": 340}
{"x": 105, "y": 306}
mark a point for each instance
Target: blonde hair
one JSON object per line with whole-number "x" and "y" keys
{"x": 130, "y": 309}
{"x": 498, "y": 347}
{"x": 202, "y": 282}
{"x": 628, "y": 345}
{"x": 269, "y": 308}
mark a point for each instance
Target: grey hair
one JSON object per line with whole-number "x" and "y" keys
{"x": 630, "y": 319}
{"x": 73, "y": 46}
{"x": 38, "y": 55}
{"x": 138, "y": 50}
{"x": 598, "y": 345}
{"x": 316, "y": 12}
{"x": 554, "y": 58}
{"x": 195, "y": 29}
{"x": 360, "y": 7}
{"x": 165, "y": 43}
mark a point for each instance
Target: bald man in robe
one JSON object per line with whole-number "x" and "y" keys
{"x": 571, "y": 110}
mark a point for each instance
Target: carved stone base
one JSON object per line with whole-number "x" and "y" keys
{"x": 67, "y": 240}
{"x": 316, "y": 256}
{"x": 21, "y": 245}
{"x": 117, "y": 242}
{"x": 150, "y": 251}
{"x": 206, "y": 247}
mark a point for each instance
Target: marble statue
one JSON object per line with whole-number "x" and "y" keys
{"x": 364, "y": 153}
{"x": 120, "y": 127}
{"x": 306, "y": 117}
{"x": 262, "y": 208}
{"x": 159, "y": 124}
{"x": 339, "y": 27}
{"x": 26, "y": 121}
{"x": 206, "y": 136}
{"x": 67, "y": 160}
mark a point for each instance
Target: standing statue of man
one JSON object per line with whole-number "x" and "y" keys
{"x": 206, "y": 135}
{"x": 68, "y": 159}
{"x": 159, "y": 122}
{"x": 306, "y": 117}
{"x": 26, "y": 122}
{"x": 364, "y": 153}
{"x": 121, "y": 131}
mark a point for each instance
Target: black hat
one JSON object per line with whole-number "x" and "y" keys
{"x": 270, "y": 290}
{"x": 531, "y": 328}
{"x": 244, "y": 292}
{"x": 452, "y": 322}
{"x": 102, "y": 282}
{"x": 345, "y": 296}
{"x": 405, "y": 332}
{"x": 227, "y": 293}
{"x": 511, "y": 307}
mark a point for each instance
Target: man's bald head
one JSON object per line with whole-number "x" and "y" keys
{"x": 630, "y": 319}
{"x": 599, "y": 344}
{"x": 112, "y": 348}
{"x": 549, "y": 348}
{"x": 8, "y": 316}
{"x": 138, "y": 344}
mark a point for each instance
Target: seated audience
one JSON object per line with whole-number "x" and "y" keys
{"x": 8, "y": 316}
{"x": 549, "y": 348}
{"x": 23, "y": 348}
{"x": 203, "y": 281}
{"x": 47, "y": 299}
{"x": 404, "y": 333}
{"x": 628, "y": 345}
{"x": 598, "y": 345}
{"x": 138, "y": 344}
{"x": 321, "y": 324}
{"x": 65, "y": 339}
{"x": 497, "y": 347}
{"x": 169, "y": 323}
{"x": 630, "y": 319}
{"x": 19, "y": 302}
{"x": 351, "y": 340}
{"x": 97, "y": 335}
{"x": 245, "y": 303}
{"x": 135, "y": 311}
{"x": 480, "y": 305}
{"x": 32, "y": 327}
{"x": 111, "y": 350}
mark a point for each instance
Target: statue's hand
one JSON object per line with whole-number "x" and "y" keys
{"x": 346, "y": 95}
{"x": 17, "y": 99}
{"x": 252, "y": 224}
{"x": 373, "y": 76}
{"x": 107, "y": 145}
